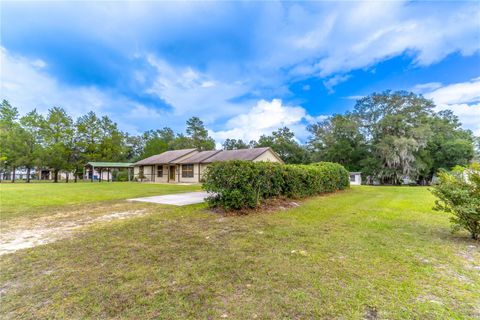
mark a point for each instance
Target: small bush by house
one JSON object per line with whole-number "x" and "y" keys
{"x": 121, "y": 176}
{"x": 244, "y": 184}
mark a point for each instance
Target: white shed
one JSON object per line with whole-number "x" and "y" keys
{"x": 355, "y": 178}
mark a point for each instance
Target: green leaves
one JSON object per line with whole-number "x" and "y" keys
{"x": 244, "y": 184}
{"x": 458, "y": 192}
{"x": 283, "y": 143}
{"x": 391, "y": 136}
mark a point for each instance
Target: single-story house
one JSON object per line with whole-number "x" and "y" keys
{"x": 188, "y": 165}
{"x": 355, "y": 178}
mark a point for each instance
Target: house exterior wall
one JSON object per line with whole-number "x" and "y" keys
{"x": 196, "y": 174}
{"x": 164, "y": 177}
{"x": 49, "y": 174}
{"x": 203, "y": 167}
{"x": 267, "y": 156}
{"x": 63, "y": 175}
{"x": 150, "y": 172}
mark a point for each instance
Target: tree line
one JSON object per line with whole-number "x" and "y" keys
{"x": 58, "y": 142}
{"x": 388, "y": 136}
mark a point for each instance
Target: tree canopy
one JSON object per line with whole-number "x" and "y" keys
{"x": 390, "y": 137}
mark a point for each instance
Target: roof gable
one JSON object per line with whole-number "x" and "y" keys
{"x": 240, "y": 154}
{"x": 200, "y": 157}
{"x": 185, "y": 156}
{"x": 165, "y": 157}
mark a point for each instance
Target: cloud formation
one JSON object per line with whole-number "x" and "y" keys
{"x": 154, "y": 64}
{"x": 263, "y": 118}
{"x": 463, "y": 99}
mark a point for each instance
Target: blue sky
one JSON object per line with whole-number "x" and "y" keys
{"x": 245, "y": 68}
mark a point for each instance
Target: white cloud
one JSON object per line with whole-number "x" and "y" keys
{"x": 355, "y": 97}
{"x": 464, "y": 92}
{"x": 191, "y": 92}
{"x": 426, "y": 87}
{"x": 251, "y": 50}
{"x": 335, "y": 80}
{"x": 463, "y": 99}
{"x": 331, "y": 38}
{"x": 263, "y": 118}
{"x": 26, "y": 85}
{"x": 305, "y": 39}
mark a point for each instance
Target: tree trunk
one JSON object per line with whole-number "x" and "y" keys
{"x": 75, "y": 177}
{"x": 67, "y": 175}
{"x": 13, "y": 175}
{"x": 28, "y": 175}
{"x": 55, "y": 176}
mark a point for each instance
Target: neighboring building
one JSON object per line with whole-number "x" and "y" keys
{"x": 188, "y": 165}
{"x": 20, "y": 174}
{"x": 106, "y": 171}
{"x": 49, "y": 174}
{"x": 36, "y": 174}
{"x": 355, "y": 178}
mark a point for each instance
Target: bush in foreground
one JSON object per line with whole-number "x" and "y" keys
{"x": 458, "y": 193}
{"x": 245, "y": 184}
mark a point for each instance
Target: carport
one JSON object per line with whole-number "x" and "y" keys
{"x": 101, "y": 171}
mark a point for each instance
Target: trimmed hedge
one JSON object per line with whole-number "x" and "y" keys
{"x": 244, "y": 184}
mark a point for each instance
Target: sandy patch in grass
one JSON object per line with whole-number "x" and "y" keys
{"x": 49, "y": 229}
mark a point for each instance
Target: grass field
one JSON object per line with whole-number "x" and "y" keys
{"x": 368, "y": 252}
{"x": 20, "y": 199}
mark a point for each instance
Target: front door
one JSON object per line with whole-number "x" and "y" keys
{"x": 172, "y": 173}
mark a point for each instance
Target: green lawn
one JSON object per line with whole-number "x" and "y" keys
{"x": 20, "y": 199}
{"x": 368, "y": 252}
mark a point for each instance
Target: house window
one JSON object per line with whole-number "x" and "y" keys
{"x": 352, "y": 178}
{"x": 140, "y": 170}
{"x": 187, "y": 170}
{"x": 160, "y": 171}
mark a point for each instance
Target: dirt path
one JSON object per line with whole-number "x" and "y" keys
{"x": 28, "y": 233}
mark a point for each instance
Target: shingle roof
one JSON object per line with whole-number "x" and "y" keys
{"x": 110, "y": 164}
{"x": 199, "y": 157}
{"x": 240, "y": 154}
{"x": 166, "y": 157}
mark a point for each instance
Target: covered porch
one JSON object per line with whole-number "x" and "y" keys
{"x": 163, "y": 173}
